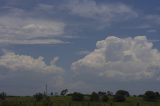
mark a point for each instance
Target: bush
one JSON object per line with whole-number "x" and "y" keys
{"x": 101, "y": 93}
{"x": 122, "y": 92}
{"x": 105, "y": 98}
{"x": 38, "y": 96}
{"x": 94, "y": 96}
{"x": 3, "y": 95}
{"x": 150, "y": 96}
{"x": 77, "y": 96}
{"x": 119, "y": 98}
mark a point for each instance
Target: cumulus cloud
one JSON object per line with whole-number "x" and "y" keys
{"x": 103, "y": 12}
{"x": 121, "y": 58}
{"x": 14, "y": 62}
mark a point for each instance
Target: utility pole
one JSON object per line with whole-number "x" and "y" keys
{"x": 46, "y": 91}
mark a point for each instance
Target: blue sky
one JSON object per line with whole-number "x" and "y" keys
{"x": 82, "y": 45}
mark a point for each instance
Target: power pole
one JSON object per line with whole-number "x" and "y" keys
{"x": 46, "y": 91}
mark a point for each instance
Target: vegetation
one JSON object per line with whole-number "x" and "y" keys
{"x": 105, "y": 98}
{"x": 149, "y": 98}
{"x": 94, "y": 96}
{"x": 47, "y": 101}
{"x": 38, "y": 96}
{"x": 119, "y": 98}
{"x": 3, "y": 95}
{"x": 64, "y": 92}
{"x": 122, "y": 92}
{"x": 77, "y": 96}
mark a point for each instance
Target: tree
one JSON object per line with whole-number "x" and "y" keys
{"x": 94, "y": 96}
{"x": 105, "y": 98}
{"x": 157, "y": 94}
{"x": 64, "y": 92}
{"x": 77, "y": 96}
{"x": 101, "y": 93}
{"x": 122, "y": 92}
{"x": 119, "y": 98}
{"x": 38, "y": 96}
{"x": 150, "y": 96}
{"x": 109, "y": 93}
{"x": 3, "y": 95}
{"x": 51, "y": 94}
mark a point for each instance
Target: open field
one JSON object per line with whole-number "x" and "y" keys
{"x": 67, "y": 101}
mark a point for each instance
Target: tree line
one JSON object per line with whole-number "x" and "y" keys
{"x": 119, "y": 96}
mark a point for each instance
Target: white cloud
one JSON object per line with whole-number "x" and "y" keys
{"x": 36, "y": 41}
{"x": 16, "y": 30}
{"x": 19, "y": 26}
{"x": 103, "y": 12}
{"x": 121, "y": 58}
{"x": 14, "y": 62}
{"x": 83, "y": 52}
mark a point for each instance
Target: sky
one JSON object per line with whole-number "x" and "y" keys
{"x": 81, "y": 45}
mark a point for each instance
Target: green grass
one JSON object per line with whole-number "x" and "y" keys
{"x": 67, "y": 101}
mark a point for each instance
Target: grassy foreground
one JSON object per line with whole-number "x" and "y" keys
{"x": 67, "y": 101}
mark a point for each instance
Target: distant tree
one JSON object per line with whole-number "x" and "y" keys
{"x": 134, "y": 95}
{"x": 140, "y": 95}
{"x": 119, "y": 98}
{"x": 64, "y": 92}
{"x": 105, "y": 98}
{"x": 3, "y": 95}
{"x": 122, "y": 92}
{"x": 39, "y": 96}
{"x": 76, "y": 96}
{"x": 101, "y": 93}
{"x": 94, "y": 96}
{"x": 109, "y": 93}
{"x": 51, "y": 94}
{"x": 157, "y": 94}
{"x": 150, "y": 96}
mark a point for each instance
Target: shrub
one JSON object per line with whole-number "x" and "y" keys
{"x": 38, "y": 96}
{"x": 101, "y": 93}
{"x": 122, "y": 92}
{"x": 119, "y": 98}
{"x": 105, "y": 98}
{"x": 77, "y": 96}
{"x": 94, "y": 96}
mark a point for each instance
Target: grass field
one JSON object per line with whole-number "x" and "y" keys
{"x": 67, "y": 101}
